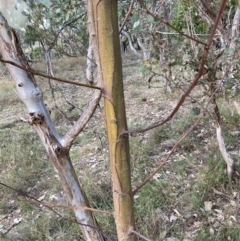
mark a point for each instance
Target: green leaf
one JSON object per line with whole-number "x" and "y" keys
{"x": 229, "y": 51}
{"x": 67, "y": 17}
{"x": 136, "y": 24}
{"x": 135, "y": 18}
{"x": 58, "y": 10}
{"x": 143, "y": 69}
{"x": 229, "y": 83}
{"x": 154, "y": 67}
{"x": 46, "y": 3}
{"x": 196, "y": 110}
{"x": 149, "y": 18}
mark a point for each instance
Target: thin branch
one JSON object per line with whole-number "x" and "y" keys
{"x": 56, "y": 105}
{"x": 50, "y": 206}
{"x": 62, "y": 28}
{"x": 82, "y": 121}
{"x": 139, "y": 235}
{"x": 168, "y": 156}
{"x": 176, "y": 145}
{"x": 35, "y": 72}
{"x": 127, "y": 16}
{"x": 168, "y": 24}
{"x": 10, "y": 228}
{"x": 175, "y": 33}
{"x": 194, "y": 83}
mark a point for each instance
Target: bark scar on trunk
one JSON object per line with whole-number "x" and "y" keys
{"x": 36, "y": 119}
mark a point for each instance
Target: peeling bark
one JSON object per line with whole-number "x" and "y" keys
{"x": 222, "y": 147}
{"x": 235, "y": 28}
{"x": 89, "y": 68}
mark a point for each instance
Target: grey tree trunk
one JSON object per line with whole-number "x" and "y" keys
{"x": 89, "y": 68}
{"x": 56, "y": 147}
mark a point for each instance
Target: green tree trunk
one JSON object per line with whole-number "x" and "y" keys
{"x": 110, "y": 64}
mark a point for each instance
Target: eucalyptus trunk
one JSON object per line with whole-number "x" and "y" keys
{"x": 56, "y": 146}
{"x": 108, "y": 45}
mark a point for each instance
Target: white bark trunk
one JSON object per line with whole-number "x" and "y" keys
{"x": 32, "y": 97}
{"x": 145, "y": 49}
{"x": 131, "y": 44}
{"x": 49, "y": 62}
{"x": 227, "y": 158}
{"x": 235, "y": 28}
{"x": 89, "y": 69}
{"x": 236, "y": 106}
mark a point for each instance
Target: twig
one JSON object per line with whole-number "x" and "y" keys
{"x": 11, "y": 227}
{"x": 55, "y": 103}
{"x": 176, "y": 145}
{"x": 139, "y": 235}
{"x": 49, "y": 205}
{"x": 52, "y": 206}
{"x": 220, "y": 193}
{"x": 35, "y": 72}
{"x": 82, "y": 121}
{"x": 127, "y": 16}
{"x": 51, "y": 45}
{"x": 168, "y": 156}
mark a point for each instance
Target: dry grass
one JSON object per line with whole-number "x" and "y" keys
{"x": 174, "y": 204}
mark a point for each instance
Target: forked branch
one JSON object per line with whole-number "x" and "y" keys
{"x": 82, "y": 121}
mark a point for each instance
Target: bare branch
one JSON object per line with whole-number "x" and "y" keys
{"x": 139, "y": 235}
{"x": 50, "y": 206}
{"x": 127, "y": 16}
{"x": 51, "y": 45}
{"x": 35, "y": 72}
{"x": 168, "y": 156}
{"x": 177, "y": 143}
{"x": 82, "y": 121}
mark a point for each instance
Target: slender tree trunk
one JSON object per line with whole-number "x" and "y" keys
{"x": 145, "y": 49}
{"x": 56, "y": 147}
{"x": 105, "y": 19}
{"x": 89, "y": 68}
{"x": 49, "y": 62}
{"x": 131, "y": 44}
{"x": 235, "y": 28}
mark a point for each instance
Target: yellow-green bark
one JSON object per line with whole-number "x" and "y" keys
{"x": 105, "y": 13}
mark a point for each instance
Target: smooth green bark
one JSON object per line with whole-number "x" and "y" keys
{"x": 106, "y": 22}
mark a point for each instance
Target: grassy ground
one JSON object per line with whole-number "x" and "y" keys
{"x": 190, "y": 198}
